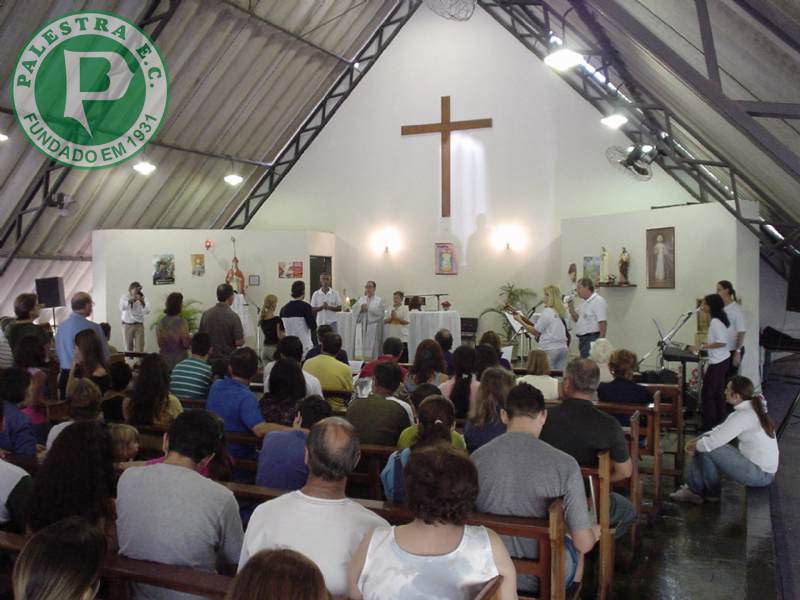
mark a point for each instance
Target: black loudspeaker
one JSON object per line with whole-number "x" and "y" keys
{"x": 793, "y": 293}
{"x": 51, "y": 292}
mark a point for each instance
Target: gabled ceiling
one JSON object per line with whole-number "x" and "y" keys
{"x": 712, "y": 83}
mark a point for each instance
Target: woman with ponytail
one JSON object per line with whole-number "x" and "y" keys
{"x": 737, "y": 327}
{"x": 713, "y": 394}
{"x": 462, "y": 387}
{"x": 436, "y": 421}
{"x": 754, "y": 464}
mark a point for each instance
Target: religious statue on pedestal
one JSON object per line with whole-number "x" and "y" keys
{"x": 604, "y": 270}
{"x": 624, "y": 263}
{"x": 235, "y": 277}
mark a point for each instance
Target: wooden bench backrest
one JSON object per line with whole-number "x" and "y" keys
{"x": 652, "y": 429}
{"x": 121, "y": 570}
{"x": 601, "y": 481}
{"x": 550, "y": 532}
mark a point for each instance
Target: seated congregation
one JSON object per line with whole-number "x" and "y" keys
{"x": 498, "y": 484}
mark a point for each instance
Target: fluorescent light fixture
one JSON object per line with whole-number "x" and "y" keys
{"x": 233, "y": 179}
{"x": 3, "y": 138}
{"x": 614, "y": 121}
{"x": 563, "y": 59}
{"x": 145, "y": 168}
{"x": 647, "y": 148}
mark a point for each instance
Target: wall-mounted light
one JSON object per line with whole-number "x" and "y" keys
{"x": 386, "y": 241}
{"x": 3, "y": 137}
{"x": 144, "y": 167}
{"x": 208, "y": 244}
{"x": 508, "y": 237}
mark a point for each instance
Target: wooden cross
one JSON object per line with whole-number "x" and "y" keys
{"x": 445, "y": 127}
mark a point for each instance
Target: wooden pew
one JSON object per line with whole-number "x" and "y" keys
{"x": 671, "y": 417}
{"x": 652, "y": 428}
{"x": 121, "y": 570}
{"x": 491, "y": 591}
{"x": 192, "y": 402}
{"x": 551, "y": 532}
{"x": 601, "y": 482}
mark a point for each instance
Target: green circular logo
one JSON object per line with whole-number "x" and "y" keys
{"x": 90, "y": 90}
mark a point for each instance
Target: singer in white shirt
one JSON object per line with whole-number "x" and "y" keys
{"x": 591, "y": 316}
{"x": 551, "y": 328}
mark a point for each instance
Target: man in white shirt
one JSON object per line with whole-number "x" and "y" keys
{"x": 134, "y": 307}
{"x": 590, "y": 317}
{"x": 325, "y": 303}
{"x": 318, "y": 521}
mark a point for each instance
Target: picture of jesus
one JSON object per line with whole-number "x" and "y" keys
{"x": 661, "y": 258}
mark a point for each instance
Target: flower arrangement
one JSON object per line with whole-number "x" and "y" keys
{"x": 446, "y": 305}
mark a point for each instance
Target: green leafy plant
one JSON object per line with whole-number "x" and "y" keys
{"x": 510, "y": 295}
{"x": 191, "y": 312}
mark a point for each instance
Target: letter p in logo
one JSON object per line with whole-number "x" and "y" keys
{"x": 119, "y": 78}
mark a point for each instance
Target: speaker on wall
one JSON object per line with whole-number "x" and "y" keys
{"x": 793, "y": 293}
{"x": 51, "y": 292}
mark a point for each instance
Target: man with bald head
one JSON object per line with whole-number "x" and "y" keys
{"x": 82, "y": 306}
{"x": 318, "y": 520}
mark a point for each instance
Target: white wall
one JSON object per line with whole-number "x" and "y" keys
{"x": 710, "y": 245}
{"x": 123, "y": 256}
{"x": 542, "y": 161}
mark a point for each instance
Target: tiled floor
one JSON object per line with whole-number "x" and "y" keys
{"x": 692, "y": 552}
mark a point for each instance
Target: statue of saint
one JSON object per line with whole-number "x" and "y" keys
{"x": 235, "y": 277}
{"x": 624, "y": 263}
{"x": 604, "y": 269}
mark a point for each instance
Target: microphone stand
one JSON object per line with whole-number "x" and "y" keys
{"x": 258, "y": 326}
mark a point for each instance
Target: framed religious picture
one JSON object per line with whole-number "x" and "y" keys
{"x": 591, "y": 268}
{"x": 446, "y": 263}
{"x": 198, "y": 265}
{"x": 660, "y": 244}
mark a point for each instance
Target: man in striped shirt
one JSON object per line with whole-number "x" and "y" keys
{"x": 191, "y": 378}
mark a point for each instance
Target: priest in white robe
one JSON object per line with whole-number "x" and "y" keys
{"x": 369, "y": 324}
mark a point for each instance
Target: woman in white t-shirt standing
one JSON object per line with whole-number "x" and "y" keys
{"x": 551, "y": 328}
{"x": 713, "y": 394}
{"x": 737, "y": 327}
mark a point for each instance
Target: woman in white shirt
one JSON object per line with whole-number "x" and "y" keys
{"x": 436, "y": 556}
{"x": 538, "y": 375}
{"x": 737, "y": 327}
{"x": 551, "y": 328}
{"x": 713, "y": 394}
{"x": 754, "y": 464}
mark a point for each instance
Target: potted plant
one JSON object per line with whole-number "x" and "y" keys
{"x": 518, "y": 298}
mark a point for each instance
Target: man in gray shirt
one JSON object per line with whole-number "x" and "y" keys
{"x": 521, "y": 476}
{"x": 169, "y": 513}
{"x": 223, "y": 325}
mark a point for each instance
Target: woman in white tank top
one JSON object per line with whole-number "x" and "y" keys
{"x": 435, "y": 556}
